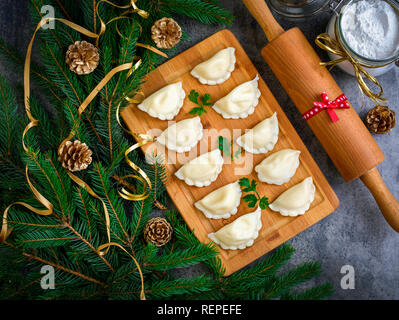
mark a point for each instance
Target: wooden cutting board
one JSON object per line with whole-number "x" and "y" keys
{"x": 276, "y": 229}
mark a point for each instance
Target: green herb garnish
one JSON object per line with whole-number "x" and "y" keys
{"x": 253, "y": 198}
{"x": 226, "y": 146}
{"x": 204, "y": 102}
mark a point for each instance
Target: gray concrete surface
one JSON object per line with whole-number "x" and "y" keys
{"x": 356, "y": 234}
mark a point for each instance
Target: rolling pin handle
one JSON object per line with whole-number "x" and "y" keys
{"x": 387, "y": 203}
{"x": 260, "y": 11}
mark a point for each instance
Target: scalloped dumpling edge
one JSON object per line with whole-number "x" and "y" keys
{"x": 219, "y": 163}
{"x": 269, "y": 145}
{"x": 287, "y": 177}
{"x": 226, "y": 215}
{"x": 297, "y": 211}
{"x": 248, "y": 243}
{"x": 228, "y": 71}
{"x": 169, "y": 116}
{"x": 198, "y": 131}
{"x": 250, "y": 110}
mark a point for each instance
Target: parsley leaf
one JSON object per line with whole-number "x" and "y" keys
{"x": 197, "y": 110}
{"x": 226, "y": 146}
{"x": 253, "y": 198}
{"x": 205, "y": 102}
{"x": 244, "y": 182}
{"x": 264, "y": 203}
{"x": 238, "y": 153}
{"x": 193, "y": 96}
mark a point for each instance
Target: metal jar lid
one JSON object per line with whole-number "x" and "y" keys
{"x": 302, "y": 9}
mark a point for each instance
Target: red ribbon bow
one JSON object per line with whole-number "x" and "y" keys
{"x": 340, "y": 103}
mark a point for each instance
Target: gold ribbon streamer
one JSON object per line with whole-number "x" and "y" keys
{"x": 152, "y": 49}
{"x": 5, "y": 232}
{"x": 142, "y": 13}
{"x": 81, "y": 109}
{"x": 334, "y": 46}
{"x": 89, "y": 190}
{"x": 107, "y": 245}
{"x": 144, "y": 178}
{"x": 34, "y": 122}
{"x": 103, "y": 249}
{"x": 123, "y": 16}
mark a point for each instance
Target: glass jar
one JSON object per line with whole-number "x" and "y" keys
{"x": 298, "y": 9}
{"x": 377, "y": 66}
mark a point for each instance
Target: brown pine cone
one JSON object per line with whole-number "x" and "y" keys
{"x": 380, "y": 119}
{"x": 82, "y": 57}
{"x": 75, "y": 156}
{"x": 166, "y": 33}
{"x": 158, "y": 231}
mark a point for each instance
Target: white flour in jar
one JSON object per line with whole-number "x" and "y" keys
{"x": 371, "y": 28}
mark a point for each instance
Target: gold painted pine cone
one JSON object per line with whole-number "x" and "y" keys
{"x": 75, "y": 156}
{"x": 158, "y": 231}
{"x": 82, "y": 57}
{"x": 380, "y": 119}
{"x": 166, "y": 33}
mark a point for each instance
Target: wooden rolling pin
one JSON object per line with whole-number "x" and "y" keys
{"x": 347, "y": 141}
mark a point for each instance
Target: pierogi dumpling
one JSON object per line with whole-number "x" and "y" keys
{"x": 279, "y": 167}
{"x": 240, "y": 233}
{"x": 217, "y": 69}
{"x": 203, "y": 170}
{"x": 240, "y": 102}
{"x": 296, "y": 200}
{"x": 165, "y": 103}
{"x": 261, "y": 138}
{"x": 182, "y": 136}
{"x": 221, "y": 203}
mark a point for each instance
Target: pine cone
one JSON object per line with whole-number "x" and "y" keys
{"x": 75, "y": 156}
{"x": 166, "y": 33}
{"x": 380, "y": 119}
{"x": 82, "y": 57}
{"x": 158, "y": 231}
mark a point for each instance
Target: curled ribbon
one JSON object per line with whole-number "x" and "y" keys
{"x": 334, "y": 46}
{"x": 340, "y": 103}
{"x": 143, "y": 178}
{"x": 5, "y": 232}
{"x": 141, "y": 13}
{"x": 132, "y": 66}
{"x": 110, "y": 244}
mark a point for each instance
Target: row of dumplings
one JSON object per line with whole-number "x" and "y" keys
{"x": 243, "y": 231}
{"x": 182, "y": 136}
{"x": 166, "y": 103}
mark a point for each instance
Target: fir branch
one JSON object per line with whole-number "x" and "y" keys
{"x": 8, "y": 125}
{"x": 114, "y": 204}
{"x": 293, "y": 278}
{"x": 316, "y": 293}
{"x": 67, "y": 239}
{"x": 268, "y": 267}
{"x": 206, "y": 12}
{"x": 57, "y": 266}
{"x": 182, "y": 258}
{"x": 170, "y": 287}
